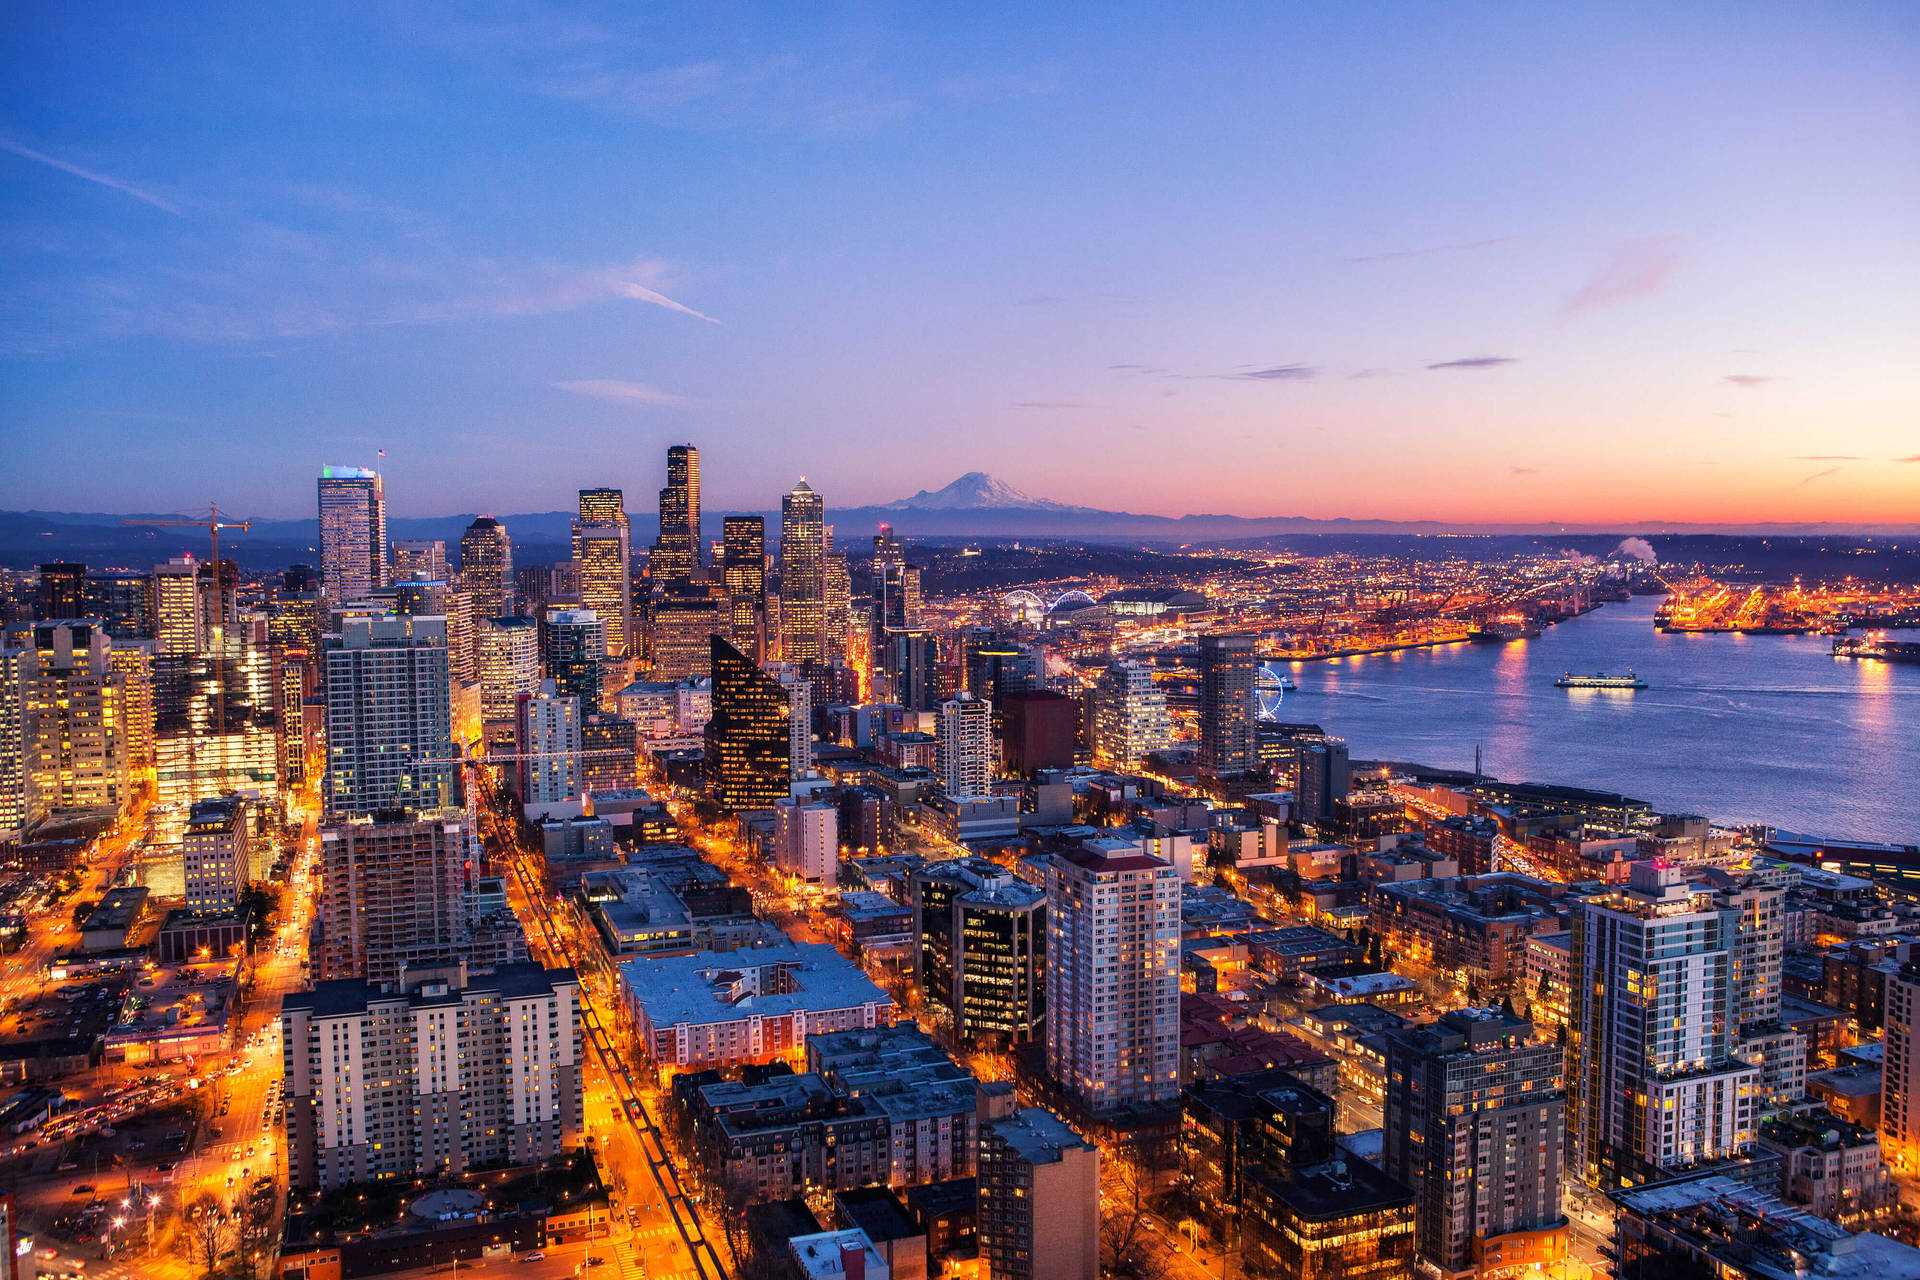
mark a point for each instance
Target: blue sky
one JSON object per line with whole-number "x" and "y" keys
{"x": 1462, "y": 261}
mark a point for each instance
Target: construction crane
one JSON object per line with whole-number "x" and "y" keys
{"x": 213, "y": 524}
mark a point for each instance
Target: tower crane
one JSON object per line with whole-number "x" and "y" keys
{"x": 213, "y": 524}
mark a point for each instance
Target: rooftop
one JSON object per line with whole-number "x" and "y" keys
{"x": 1039, "y": 1136}
{"x": 712, "y": 986}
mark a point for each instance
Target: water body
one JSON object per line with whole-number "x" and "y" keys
{"x": 1740, "y": 728}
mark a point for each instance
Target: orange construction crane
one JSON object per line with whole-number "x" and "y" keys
{"x": 213, "y": 524}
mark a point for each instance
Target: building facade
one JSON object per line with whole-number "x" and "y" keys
{"x": 389, "y": 716}
{"x": 353, "y": 533}
{"x": 748, "y": 758}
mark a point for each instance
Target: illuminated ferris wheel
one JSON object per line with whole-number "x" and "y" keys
{"x": 1270, "y": 687}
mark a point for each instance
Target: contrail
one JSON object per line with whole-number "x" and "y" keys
{"x": 88, "y": 175}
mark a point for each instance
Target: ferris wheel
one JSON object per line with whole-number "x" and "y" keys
{"x": 1269, "y": 688}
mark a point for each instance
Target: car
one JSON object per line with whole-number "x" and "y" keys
{"x": 536, "y": 1256}
{"x": 83, "y": 1189}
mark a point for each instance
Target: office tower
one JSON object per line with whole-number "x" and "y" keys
{"x": 743, "y": 560}
{"x": 1474, "y": 1123}
{"x": 538, "y": 585}
{"x": 605, "y": 582}
{"x": 424, "y": 558}
{"x": 1650, "y": 1080}
{"x": 1037, "y": 731}
{"x": 393, "y": 893}
{"x": 389, "y": 716}
{"x": 904, "y": 671}
{"x": 446, "y": 1073}
{"x": 1900, "y": 1066}
{"x": 748, "y": 759}
{"x": 213, "y": 725}
{"x": 803, "y": 583}
{"x": 575, "y": 644}
{"x": 507, "y": 653}
{"x": 609, "y": 754}
{"x": 1113, "y": 975}
{"x": 296, "y": 620}
{"x": 300, "y": 577}
{"x": 995, "y": 667}
{"x": 296, "y": 676}
{"x": 1038, "y": 1199}
{"x": 981, "y": 948}
{"x": 806, "y": 841}
{"x": 353, "y": 533}
{"x": 61, "y": 592}
{"x": 191, "y": 600}
{"x": 216, "y": 856}
{"x": 836, "y": 601}
{"x": 799, "y": 721}
{"x": 599, "y": 507}
{"x": 123, "y": 601}
{"x": 1131, "y": 720}
{"x": 964, "y": 755}
{"x": 677, "y": 555}
{"x": 1227, "y": 706}
{"x": 547, "y": 738}
{"x": 434, "y": 597}
{"x": 133, "y": 661}
{"x": 486, "y": 568}
{"x": 681, "y": 628}
{"x": 76, "y": 720}
{"x": 18, "y": 667}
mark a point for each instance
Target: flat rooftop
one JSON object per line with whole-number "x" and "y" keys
{"x": 731, "y": 986}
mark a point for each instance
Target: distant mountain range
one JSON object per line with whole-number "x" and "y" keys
{"x": 974, "y": 506}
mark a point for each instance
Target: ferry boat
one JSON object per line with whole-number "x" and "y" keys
{"x": 1600, "y": 680}
{"x": 1877, "y": 648}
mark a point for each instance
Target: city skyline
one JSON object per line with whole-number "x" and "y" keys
{"x": 1498, "y": 266}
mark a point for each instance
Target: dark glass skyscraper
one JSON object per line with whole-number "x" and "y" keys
{"x": 1227, "y": 703}
{"x": 748, "y": 760}
{"x": 744, "y": 569}
{"x": 486, "y": 568}
{"x": 62, "y": 592}
{"x": 575, "y": 641}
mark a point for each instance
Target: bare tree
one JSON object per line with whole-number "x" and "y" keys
{"x": 1125, "y": 1185}
{"x": 253, "y": 1222}
{"x": 207, "y": 1231}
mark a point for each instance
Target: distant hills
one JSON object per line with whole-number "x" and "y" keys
{"x": 976, "y": 505}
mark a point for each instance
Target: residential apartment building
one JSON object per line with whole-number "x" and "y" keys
{"x": 215, "y": 854}
{"x": 1039, "y": 1199}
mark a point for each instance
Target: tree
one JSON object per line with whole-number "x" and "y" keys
{"x": 207, "y": 1231}
{"x": 253, "y": 1223}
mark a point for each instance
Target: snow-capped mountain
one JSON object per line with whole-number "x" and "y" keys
{"x": 977, "y": 491}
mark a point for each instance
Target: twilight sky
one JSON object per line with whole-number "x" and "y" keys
{"x": 1463, "y": 261}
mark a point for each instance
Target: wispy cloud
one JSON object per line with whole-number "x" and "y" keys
{"x": 620, "y": 392}
{"x": 1397, "y": 255}
{"x": 90, "y": 175}
{"x": 1828, "y": 457}
{"x": 1818, "y": 475}
{"x": 1749, "y": 379}
{"x": 641, "y": 293}
{"x": 1475, "y": 362}
{"x": 1912, "y": 457}
{"x": 1634, "y": 270}
{"x": 1279, "y": 373}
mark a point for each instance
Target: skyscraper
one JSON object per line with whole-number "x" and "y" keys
{"x": 677, "y": 555}
{"x": 799, "y": 721}
{"x": 605, "y": 582}
{"x": 574, "y": 648}
{"x": 744, "y": 574}
{"x": 682, "y": 625}
{"x": 836, "y": 600}
{"x": 61, "y": 592}
{"x": 803, "y": 583}
{"x": 1113, "y": 975}
{"x": 981, "y": 948}
{"x": 507, "y": 653}
{"x": 214, "y": 854}
{"x": 353, "y": 533}
{"x": 389, "y": 716}
{"x": 426, "y": 557}
{"x": 190, "y": 601}
{"x": 1227, "y": 706}
{"x": 76, "y": 719}
{"x": 213, "y": 725}
{"x": 1900, "y": 1066}
{"x": 599, "y": 507}
{"x": 123, "y": 600}
{"x": 748, "y": 737}
{"x": 486, "y": 567}
{"x": 964, "y": 756}
{"x": 1474, "y": 1123}
{"x": 1650, "y": 1078}
{"x": 1130, "y": 716}
{"x": 17, "y": 801}
{"x": 904, "y": 670}
{"x": 547, "y": 737}
{"x": 806, "y": 840}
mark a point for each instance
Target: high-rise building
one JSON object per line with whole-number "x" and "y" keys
{"x": 486, "y": 568}
{"x": 1475, "y": 1123}
{"x": 424, "y": 557}
{"x": 799, "y": 721}
{"x": 547, "y": 739}
{"x": 836, "y": 600}
{"x": 1651, "y": 1081}
{"x": 507, "y": 655}
{"x": 396, "y": 890}
{"x": 964, "y": 755}
{"x": 806, "y": 841}
{"x": 18, "y": 667}
{"x": 1900, "y": 1066}
{"x": 748, "y": 759}
{"x": 1037, "y": 731}
{"x": 1113, "y": 975}
{"x": 609, "y": 754}
{"x": 190, "y": 601}
{"x": 743, "y": 560}
{"x": 444, "y": 1074}
{"x": 981, "y": 948}
{"x": 389, "y": 716}
{"x": 1227, "y": 703}
{"x": 213, "y": 727}
{"x": 1038, "y": 1199}
{"x": 605, "y": 507}
{"x": 76, "y": 734}
{"x": 216, "y": 853}
{"x": 353, "y": 533}
{"x": 803, "y": 582}
{"x": 605, "y": 585}
{"x": 677, "y": 555}
{"x": 683, "y": 624}
{"x": 904, "y": 670}
{"x": 61, "y": 592}
{"x": 123, "y": 601}
{"x": 1130, "y": 716}
{"x": 575, "y": 645}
